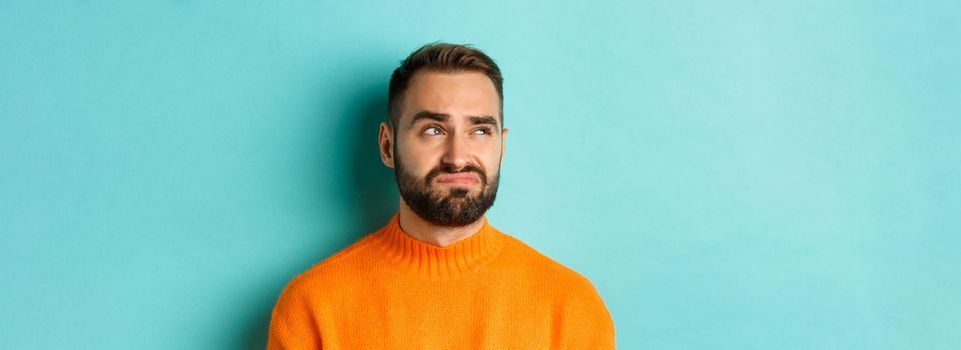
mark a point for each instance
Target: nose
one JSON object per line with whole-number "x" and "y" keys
{"x": 457, "y": 153}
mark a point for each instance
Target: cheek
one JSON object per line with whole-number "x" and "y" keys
{"x": 418, "y": 160}
{"x": 492, "y": 160}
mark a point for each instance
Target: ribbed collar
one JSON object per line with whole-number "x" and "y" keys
{"x": 431, "y": 262}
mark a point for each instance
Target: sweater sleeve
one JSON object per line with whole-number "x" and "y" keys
{"x": 293, "y": 323}
{"x": 591, "y": 326}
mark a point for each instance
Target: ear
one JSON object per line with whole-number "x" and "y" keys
{"x": 504, "y": 132}
{"x": 385, "y": 143}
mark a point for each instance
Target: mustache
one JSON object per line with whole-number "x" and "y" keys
{"x": 449, "y": 169}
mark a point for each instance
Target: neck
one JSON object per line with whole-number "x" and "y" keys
{"x": 427, "y": 232}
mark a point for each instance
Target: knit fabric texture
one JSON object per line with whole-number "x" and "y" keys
{"x": 389, "y": 290}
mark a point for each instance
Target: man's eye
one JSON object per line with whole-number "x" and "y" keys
{"x": 432, "y": 131}
{"x": 486, "y": 131}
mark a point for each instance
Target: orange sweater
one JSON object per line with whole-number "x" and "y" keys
{"x": 488, "y": 291}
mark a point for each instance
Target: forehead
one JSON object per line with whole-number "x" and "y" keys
{"x": 456, "y": 94}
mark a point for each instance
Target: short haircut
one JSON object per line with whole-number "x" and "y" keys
{"x": 444, "y": 58}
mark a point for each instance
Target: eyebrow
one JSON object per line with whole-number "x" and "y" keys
{"x": 440, "y": 117}
{"x": 428, "y": 115}
{"x": 484, "y": 119}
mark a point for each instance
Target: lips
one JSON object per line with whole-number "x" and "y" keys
{"x": 459, "y": 178}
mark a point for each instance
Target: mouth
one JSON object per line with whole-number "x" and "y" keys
{"x": 458, "y": 179}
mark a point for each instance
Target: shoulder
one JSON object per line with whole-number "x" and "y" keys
{"x": 335, "y": 270}
{"x": 571, "y": 294}
{"x": 547, "y": 269}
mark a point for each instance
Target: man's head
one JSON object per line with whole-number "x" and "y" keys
{"x": 445, "y": 139}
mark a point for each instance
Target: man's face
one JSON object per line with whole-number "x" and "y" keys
{"x": 448, "y": 146}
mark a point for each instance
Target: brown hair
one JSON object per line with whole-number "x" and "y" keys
{"x": 441, "y": 57}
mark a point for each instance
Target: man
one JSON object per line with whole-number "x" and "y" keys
{"x": 438, "y": 275}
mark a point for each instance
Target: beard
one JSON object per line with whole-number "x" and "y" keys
{"x": 456, "y": 208}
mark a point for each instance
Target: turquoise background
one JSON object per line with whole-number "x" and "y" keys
{"x": 730, "y": 175}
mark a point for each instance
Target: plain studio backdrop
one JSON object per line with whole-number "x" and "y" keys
{"x": 730, "y": 175}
